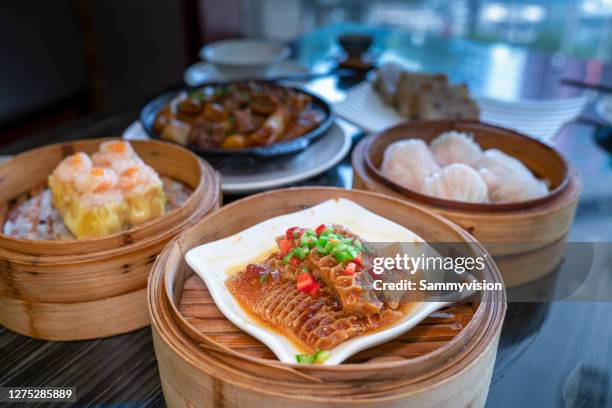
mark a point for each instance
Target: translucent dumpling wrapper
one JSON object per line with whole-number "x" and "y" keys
{"x": 457, "y": 182}
{"x": 144, "y": 193}
{"x": 62, "y": 180}
{"x": 113, "y": 153}
{"x": 96, "y": 208}
{"x": 455, "y": 147}
{"x": 97, "y": 214}
{"x": 508, "y": 179}
{"x": 408, "y": 162}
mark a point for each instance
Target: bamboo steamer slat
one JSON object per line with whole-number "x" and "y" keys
{"x": 512, "y": 235}
{"x": 197, "y": 370}
{"x": 81, "y": 289}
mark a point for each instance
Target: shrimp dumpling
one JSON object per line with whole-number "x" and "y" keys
{"x": 408, "y": 162}
{"x": 508, "y": 179}
{"x": 457, "y": 182}
{"x": 455, "y": 147}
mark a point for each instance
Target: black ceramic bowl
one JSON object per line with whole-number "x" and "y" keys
{"x": 284, "y": 148}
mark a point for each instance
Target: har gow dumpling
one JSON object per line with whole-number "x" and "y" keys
{"x": 457, "y": 182}
{"x": 455, "y": 147}
{"x": 408, "y": 162}
{"x": 508, "y": 179}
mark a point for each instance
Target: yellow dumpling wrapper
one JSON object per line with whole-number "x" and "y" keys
{"x": 87, "y": 220}
{"x": 97, "y": 201}
{"x": 144, "y": 194}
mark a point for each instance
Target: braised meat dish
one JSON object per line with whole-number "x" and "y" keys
{"x": 316, "y": 289}
{"x": 238, "y": 116}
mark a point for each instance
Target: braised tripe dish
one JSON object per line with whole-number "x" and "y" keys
{"x": 315, "y": 289}
{"x": 107, "y": 193}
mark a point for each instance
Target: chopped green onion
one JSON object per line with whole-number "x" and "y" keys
{"x": 327, "y": 231}
{"x": 353, "y": 251}
{"x": 305, "y": 269}
{"x": 322, "y": 241}
{"x": 288, "y": 257}
{"x": 263, "y": 278}
{"x": 343, "y": 256}
{"x": 304, "y": 358}
{"x": 358, "y": 244}
{"x": 340, "y": 248}
{"x": 300, "y": 253}
{"x": 321, "y": 355}
{"x": 322, "y": 250}
{"x": 308, "y": 240}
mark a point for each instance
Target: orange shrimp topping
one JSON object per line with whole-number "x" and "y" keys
{"x": 130, "y": 171}
{"x": 118, "y": 147}
{"x": 97, "y": 172}
{"x": 75, "y": 160}
{"x": 105, "y": 185}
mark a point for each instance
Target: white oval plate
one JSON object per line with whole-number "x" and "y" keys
{"x": 215, "y": 261}
{"x": 317, "y": 158}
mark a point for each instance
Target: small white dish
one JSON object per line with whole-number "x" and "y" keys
{"x": 203, "y": 72}
{"x": 244, "y": 56}
{"x": 214, "y": 262}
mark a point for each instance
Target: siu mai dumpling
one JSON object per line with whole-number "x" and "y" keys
{"x": 508, "y": 179}
{"x": 99, "y": 208}
{"x": 144, "y": 193}
{"x": 455, "y": 147}
{"x": 408, "y": 162}
{"x": 457, "y": 182}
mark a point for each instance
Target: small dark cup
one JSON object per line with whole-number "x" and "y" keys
{"x": 355, "y": 45}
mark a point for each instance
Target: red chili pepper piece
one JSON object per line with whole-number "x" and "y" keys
{"x": 350, "y": 269}
{"x": 294, "y": 261}
{"x": 358, "y": 260}
{"x": 289, "y": 233}
{"x": 320, "y": 229}
{"x": 285, "y": 246}
{"x": 314, "y": 290}
{"x": 305, "y": 282}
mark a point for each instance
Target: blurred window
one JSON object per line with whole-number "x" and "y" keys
{"x": 578, "y": 27}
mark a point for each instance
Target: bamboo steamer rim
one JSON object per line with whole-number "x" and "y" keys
{"x": 565, "y": 197}
{"x": 239, "y": 379}
{"x": 207, "y": 183}
{"x": 460, "y": 205}
{"x": 179, "y": 320}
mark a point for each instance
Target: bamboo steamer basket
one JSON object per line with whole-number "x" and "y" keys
{"x": 205, "y": 361}
{"x": 519, "y": 235}
{"x": 90, "y": 288}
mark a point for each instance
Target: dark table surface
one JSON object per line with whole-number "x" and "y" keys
{"x": 550, "y": 354}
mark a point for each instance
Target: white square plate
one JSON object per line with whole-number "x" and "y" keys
{"x": 217, "y": 260}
